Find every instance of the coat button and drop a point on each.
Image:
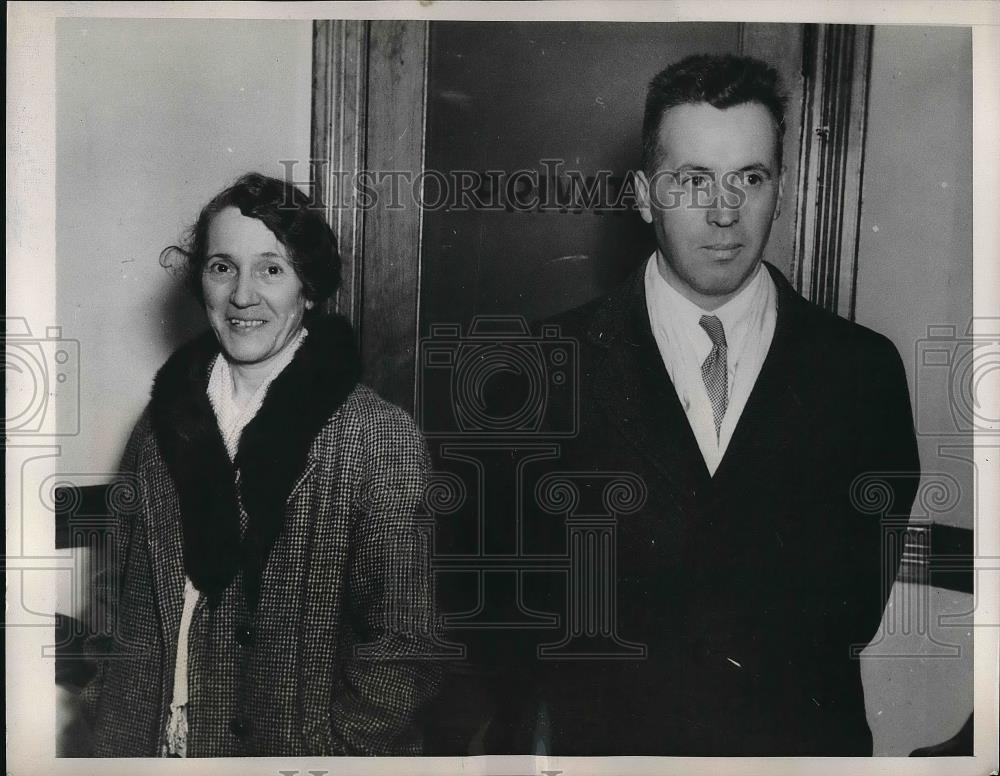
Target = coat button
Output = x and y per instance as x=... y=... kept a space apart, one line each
x=239 y=727
x=244 y=636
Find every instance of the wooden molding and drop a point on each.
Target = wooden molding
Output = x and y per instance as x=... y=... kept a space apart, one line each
x=340 y=90
x=369 y=85
x=836 y=70
x=397 y=77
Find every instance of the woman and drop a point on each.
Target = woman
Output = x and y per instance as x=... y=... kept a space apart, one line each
x=272 y=589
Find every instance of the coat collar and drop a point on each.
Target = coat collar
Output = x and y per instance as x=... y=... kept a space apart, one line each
x=272 y=454
x=632 y=384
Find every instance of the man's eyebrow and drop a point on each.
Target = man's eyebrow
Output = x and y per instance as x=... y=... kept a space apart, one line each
x=756 y=167
x=753 y=167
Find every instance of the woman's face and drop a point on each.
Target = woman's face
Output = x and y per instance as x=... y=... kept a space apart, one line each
x=253 y=297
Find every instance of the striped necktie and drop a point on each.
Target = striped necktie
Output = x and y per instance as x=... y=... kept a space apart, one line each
x=714 y=371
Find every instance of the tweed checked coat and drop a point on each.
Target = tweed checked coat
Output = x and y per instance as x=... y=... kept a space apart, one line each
x=334 y=652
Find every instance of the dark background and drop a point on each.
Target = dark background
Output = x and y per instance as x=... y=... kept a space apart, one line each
x=505 y=97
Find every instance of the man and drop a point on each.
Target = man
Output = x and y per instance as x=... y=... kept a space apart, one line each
x=752 y=575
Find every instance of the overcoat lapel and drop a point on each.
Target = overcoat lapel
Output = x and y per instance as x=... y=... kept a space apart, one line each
x=774 y=411
x=189 y=443
x=632 y=385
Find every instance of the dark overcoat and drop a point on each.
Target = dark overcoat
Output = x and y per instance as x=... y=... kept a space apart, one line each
x=335 y=653
x=751 y=591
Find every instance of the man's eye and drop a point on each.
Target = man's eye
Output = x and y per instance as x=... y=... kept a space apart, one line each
x=697 y=180
x=753 y=179
x=218 y=268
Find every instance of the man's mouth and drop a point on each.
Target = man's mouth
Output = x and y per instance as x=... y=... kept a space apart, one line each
x=724 y=250
x=246 y=323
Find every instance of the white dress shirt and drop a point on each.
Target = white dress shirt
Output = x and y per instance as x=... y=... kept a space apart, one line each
x=748 y=320
x=232 y=417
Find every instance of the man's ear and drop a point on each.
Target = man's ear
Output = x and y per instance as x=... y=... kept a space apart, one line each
x=781 y=194
x=642 y=196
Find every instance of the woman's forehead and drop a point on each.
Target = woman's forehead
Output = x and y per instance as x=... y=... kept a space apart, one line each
x=232 y=233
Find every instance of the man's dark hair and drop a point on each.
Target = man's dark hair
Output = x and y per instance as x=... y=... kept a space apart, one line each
x=722 y=81
x=291 y=217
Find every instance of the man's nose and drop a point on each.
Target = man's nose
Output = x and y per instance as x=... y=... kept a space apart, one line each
x=720 y=215
x=244 y=291
x=724 y=209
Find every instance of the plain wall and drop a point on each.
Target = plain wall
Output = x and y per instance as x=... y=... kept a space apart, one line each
x=915 y=271
x=154 y=117
x=915 y=246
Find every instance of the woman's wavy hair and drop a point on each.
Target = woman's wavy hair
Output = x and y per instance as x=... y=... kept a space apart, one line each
x=291 y=217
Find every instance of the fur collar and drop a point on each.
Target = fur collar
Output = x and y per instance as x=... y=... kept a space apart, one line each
x=272 y=451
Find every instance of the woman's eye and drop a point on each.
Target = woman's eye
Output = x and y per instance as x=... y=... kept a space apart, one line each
x=697 y=180
x=753 y=179
x=272 y=270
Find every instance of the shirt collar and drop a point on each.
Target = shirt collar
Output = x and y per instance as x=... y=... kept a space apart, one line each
x=735 y=314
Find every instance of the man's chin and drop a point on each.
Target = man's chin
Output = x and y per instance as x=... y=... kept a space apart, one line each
x=718 y=290
x=728 y=281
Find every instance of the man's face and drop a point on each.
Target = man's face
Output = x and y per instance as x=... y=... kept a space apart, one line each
x=713 y=197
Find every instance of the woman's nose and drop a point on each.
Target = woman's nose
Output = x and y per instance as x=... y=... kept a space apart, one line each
x=244 y=291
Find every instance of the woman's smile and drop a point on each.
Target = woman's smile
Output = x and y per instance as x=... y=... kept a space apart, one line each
x=246 y=323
